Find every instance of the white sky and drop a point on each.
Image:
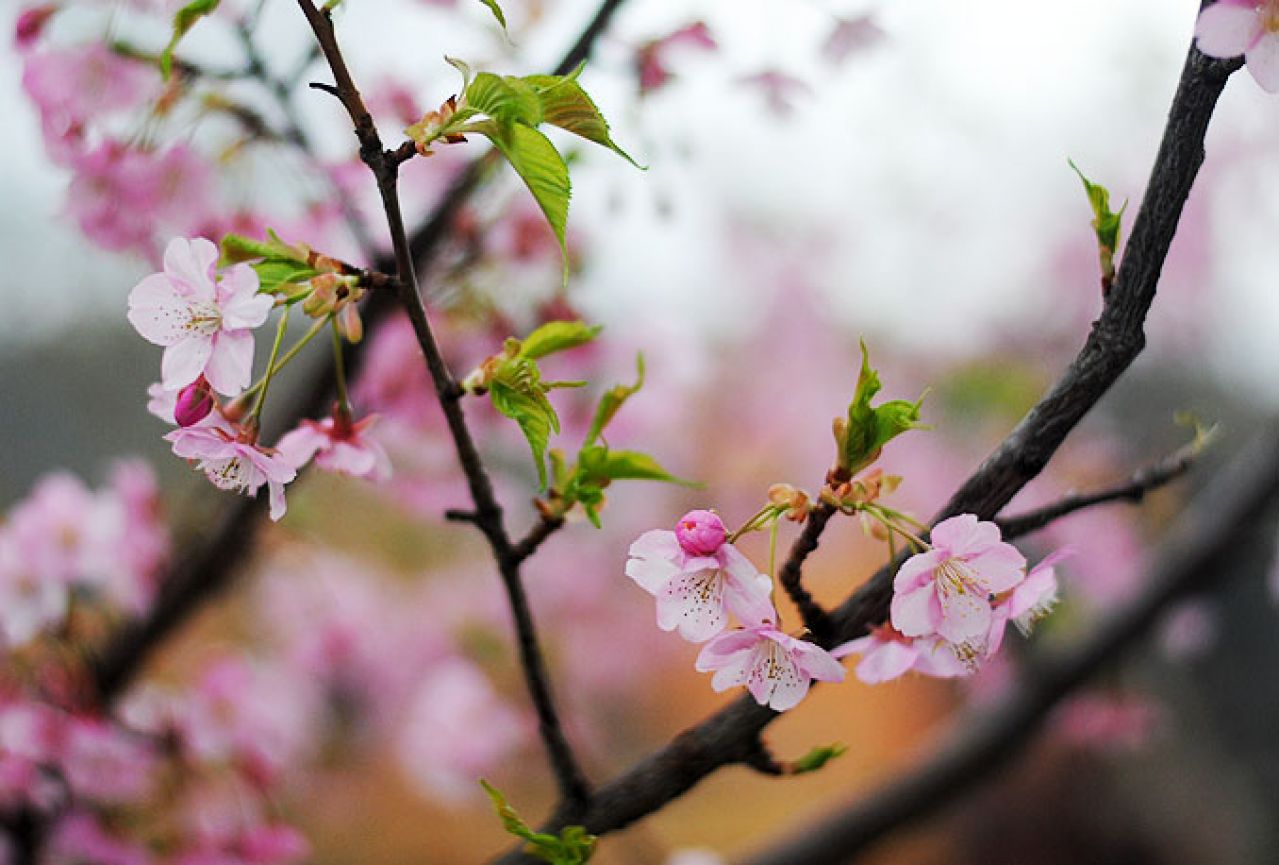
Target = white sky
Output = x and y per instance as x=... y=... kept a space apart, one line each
x=929 y=172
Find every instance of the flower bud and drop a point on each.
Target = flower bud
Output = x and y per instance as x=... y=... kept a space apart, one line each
x=701 y=533
x=194 y=403
x=31 y=23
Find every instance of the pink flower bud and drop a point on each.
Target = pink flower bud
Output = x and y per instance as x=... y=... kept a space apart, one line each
x=700 y=533
x=30 y=24
x=195 y=401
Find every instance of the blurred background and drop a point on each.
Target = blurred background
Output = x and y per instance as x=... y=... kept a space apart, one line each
x=817 y=172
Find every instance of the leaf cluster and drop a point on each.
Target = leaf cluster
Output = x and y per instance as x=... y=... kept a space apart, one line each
x=572 y=846
x=277 y=264
x=862 y=435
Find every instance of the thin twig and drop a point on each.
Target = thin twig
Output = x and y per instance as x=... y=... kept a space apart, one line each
x=573 y=787
x=530 y=543
x=1116 y=339
x=816 y=619
x=1132 y=490
x=1191 y=557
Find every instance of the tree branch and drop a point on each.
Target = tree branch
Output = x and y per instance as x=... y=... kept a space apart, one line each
x=573 y=787
x=1134 y=489
x=1116 y=339
x=1190 y=559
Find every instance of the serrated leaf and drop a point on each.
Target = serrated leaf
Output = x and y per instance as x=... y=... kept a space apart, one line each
x=496 y=10
x=237 y=247
x=573 y=846
x=556 y=336
x=818 y=757
x=566 y=105
x=1106 y=223
x=618 y=465
x=611 y=400
x=543 y=171
x=506 y=99
x=870 y=428
x=183 y=20
x=534 y=415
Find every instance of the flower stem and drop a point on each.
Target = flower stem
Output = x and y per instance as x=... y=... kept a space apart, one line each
x=270 y=367
x=286 y=357
x=339 y=370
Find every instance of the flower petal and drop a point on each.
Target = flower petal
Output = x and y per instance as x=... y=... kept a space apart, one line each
x=191 y=263
x=1227 y=28
x=653 y=559
x=157 y=311
x=917 y=570
x=693 y=603
x=1263 y=62
x=916 y=612
x=183 y=362
x=230 y=365
x=886 y=661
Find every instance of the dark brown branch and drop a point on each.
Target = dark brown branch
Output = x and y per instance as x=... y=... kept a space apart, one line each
x=791 y=573
x=1133 y=490
x=1190 y=559
x=1116 y=339
x=530 y=543
x=573 y=787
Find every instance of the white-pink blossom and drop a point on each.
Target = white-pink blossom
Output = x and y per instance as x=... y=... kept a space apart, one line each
x=697 y=577
x=203 y=320
x=337 y=445
x=1229 y=28
x=950 y=590
x=775 y=667
x=232 y=461
x=887 y=654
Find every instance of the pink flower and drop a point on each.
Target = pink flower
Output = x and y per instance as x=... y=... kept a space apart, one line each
x=887 y=654
x=775 y=667
x=204 y=323
x=950 y=589
x=74 y=85
x=650 y=59
x=1229 y=28
x=337 y=445
x=698 y=578
x=104 y=763
x=31 y=23
x=232 y=462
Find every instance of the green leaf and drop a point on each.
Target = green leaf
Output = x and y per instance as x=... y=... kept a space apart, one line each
x=818 y=757
x=557 y=336
x=573 y=846
x=237 y=247
x=506 y=99
x=524 y=402
x=183 y=20
x=566 y=105
x=543 y=171
x=612 y=400
x=869 y=429
x=1106 y=224
x=601 y=462
x=496 y=10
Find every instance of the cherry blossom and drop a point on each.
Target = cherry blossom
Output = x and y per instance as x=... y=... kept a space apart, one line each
x=1229 y=28
x=72 y=86
x=949 y=590
x=887 y=654
x=232 y=461
x=775 y=667
x=204 y=321
x=697 y=577
x=337 y=445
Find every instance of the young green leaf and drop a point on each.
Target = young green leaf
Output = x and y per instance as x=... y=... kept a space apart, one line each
x=817 y=758
x=543 y=171
x=506 y=99
x=557 y=336
x=183 y=20
x=869 y=429
x=573 y=846
x=611 y=401
x=1106 y=224
x=601 y=462
x=566 y=105
x=496 y=10
x=517 y=393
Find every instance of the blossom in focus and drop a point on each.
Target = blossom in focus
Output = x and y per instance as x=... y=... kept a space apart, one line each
x=887 y=654
x=232 y=462
x=697 y=577
x=1229 y=28
x=950 y=589
x=204 y=321
x=337 y=445
x=775 y=667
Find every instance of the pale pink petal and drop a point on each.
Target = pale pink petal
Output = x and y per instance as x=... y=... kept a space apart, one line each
x=733 y=674
x=230 y=364
x=157 y=311
x=886 y=661
x=937 y=658
x=198 y=444
x=859 y=646
x=815 y=662
x=298 y=446
x=777 y=681
x=1000 y=567
x=998 y=627
x=278 y=504
x=183 y=362
x=192 y=263
x=1227 y=28
x=1263 y=62
x=722 y=648
x=654 y=556
x=918 y=570
x=956 y=533
x=964 y=617
x=349 y=459
x=916 y=612
x=693 y=603
x=1039 y=587
x=241 y=305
